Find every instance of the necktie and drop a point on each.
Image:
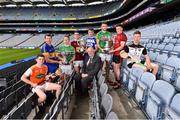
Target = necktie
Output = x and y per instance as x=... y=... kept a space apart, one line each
x=89 y=61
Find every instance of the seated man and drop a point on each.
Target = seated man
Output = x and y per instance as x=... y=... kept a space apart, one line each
x=91 y=66
x=68 y=53
x=38 y=76
x=135 y=52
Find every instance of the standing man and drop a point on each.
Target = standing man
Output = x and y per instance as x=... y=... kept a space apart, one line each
x=119 y=43
x=104 y=44
x=78 y=62
x=136 y=51
x=48 y=51
x=36 y=76
x=91 y=39
x=68 y=53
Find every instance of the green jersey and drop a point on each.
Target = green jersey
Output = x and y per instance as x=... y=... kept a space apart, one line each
x=67 y=51
x=101 y=36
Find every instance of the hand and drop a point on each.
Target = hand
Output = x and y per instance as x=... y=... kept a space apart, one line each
x=102 y=50
x=48 y=76
x=34 y=85
x=84 y=75
x=111 y=51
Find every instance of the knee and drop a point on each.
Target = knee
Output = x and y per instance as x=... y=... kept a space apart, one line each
x=42 y=97
x=58 y=88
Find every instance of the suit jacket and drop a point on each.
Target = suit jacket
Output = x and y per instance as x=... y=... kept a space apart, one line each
x=93 y=67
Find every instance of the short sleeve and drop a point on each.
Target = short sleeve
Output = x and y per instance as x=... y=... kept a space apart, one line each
x=126 y=49
x=28 y=72
x=144 y=52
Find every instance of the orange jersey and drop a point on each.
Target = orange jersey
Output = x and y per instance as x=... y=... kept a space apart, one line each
x=38 y=74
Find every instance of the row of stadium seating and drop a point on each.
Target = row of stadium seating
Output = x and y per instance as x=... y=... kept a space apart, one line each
x=56 y=13
x=100 y=101
x=26 y=40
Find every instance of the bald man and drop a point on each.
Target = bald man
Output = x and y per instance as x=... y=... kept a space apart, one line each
x=91 y=66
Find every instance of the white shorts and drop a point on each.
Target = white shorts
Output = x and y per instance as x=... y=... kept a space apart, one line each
x=78 y=63
x=105 y=57
x=42 y=87
x=67 y=69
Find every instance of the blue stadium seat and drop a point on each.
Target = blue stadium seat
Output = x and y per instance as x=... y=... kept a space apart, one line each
x=159 y=97
x=144 y=85
x=173 y=110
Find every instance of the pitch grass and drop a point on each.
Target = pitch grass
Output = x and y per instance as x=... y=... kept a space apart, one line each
x=8 y=54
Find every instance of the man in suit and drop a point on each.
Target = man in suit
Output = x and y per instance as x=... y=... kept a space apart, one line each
x=91 y=66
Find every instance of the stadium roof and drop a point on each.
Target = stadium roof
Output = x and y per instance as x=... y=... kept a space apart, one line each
x=14 y=3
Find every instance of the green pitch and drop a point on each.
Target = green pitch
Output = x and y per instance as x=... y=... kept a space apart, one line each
x=7 y=54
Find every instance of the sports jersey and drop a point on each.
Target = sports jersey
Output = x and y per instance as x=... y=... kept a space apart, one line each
x=68 y=49
x=49 y=49
x=36 y=74
x=91 y=42
x=78 y=55
x=117 y=42
x=101 y=35
x=136 y=51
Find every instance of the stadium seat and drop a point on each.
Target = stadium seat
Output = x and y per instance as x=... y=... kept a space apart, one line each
x=143 y=87
x=112 y=116
x=2 y=108
x=19 y=113
x=103 y=90
x=177 y=81
x=173 y=110
x=30 y=103
x=101 y=80
x=54 y=114
x=159 y=97
x=135 y=75
x=153 y=55
x=106 y=104
x=169 y=69
x=10 y=101
x=52 y=108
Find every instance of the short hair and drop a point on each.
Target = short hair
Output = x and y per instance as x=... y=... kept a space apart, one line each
x=104 y=23
x=48 y=34
x=91 y=29
x=76 y=32
x=137 y=32
x=67 y=36
x=40 y=55
x=118 y=25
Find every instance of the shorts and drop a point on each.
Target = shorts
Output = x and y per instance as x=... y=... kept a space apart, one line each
x=78 y=63
x=117 y=59
x=105 y=57
x=67 y=69
x=42 y=87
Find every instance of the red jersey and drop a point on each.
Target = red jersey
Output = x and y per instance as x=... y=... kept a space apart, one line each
x=78 y=55
x=117 y=43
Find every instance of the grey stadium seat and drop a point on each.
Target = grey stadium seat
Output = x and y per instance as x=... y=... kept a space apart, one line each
x=159 y=97
x=173 y=111
x=144 y=85
x=106 y=104
x=169 y=69
x=112 y=116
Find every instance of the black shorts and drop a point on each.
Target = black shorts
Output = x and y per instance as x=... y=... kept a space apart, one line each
x=117 y=59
